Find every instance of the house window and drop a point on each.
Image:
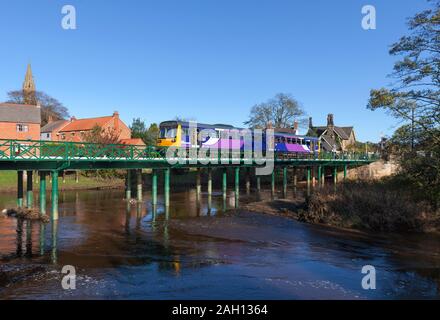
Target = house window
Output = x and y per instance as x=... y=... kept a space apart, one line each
x=63 y=136
x=22 y=127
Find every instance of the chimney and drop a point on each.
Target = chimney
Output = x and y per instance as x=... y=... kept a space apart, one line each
x=295 y=127
x=330 y=123
x=330 y=126
x=269 y=125
x=116 y=120
x=310 y=123
x=72 y=119
x=50 y=118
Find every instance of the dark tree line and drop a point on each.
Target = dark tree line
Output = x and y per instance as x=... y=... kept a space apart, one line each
x=414 y=99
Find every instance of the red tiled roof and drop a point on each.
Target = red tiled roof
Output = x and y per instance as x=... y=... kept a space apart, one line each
x=86 y=124
x=133 y=141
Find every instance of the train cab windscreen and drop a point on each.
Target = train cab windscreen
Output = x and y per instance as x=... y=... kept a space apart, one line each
x=168 y=132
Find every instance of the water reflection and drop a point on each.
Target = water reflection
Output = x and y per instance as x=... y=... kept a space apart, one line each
x=54 y=242
x=42 y=238
x=29 y=238
x=19 y=250
x=181 y=251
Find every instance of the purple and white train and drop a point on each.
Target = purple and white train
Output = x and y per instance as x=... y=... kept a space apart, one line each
x=177 y=134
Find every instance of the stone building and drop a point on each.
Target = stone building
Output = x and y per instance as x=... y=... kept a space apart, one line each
x=333 y=138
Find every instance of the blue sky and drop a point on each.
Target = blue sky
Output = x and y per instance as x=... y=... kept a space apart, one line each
x=205 y=59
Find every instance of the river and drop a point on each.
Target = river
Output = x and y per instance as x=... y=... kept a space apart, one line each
x=128 y=252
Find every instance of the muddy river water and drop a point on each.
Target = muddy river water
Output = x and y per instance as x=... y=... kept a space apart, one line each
x=190 y=252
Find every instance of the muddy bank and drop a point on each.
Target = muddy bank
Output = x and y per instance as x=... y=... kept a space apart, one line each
x=19 y=272
x=25 y=214
x=367 y=206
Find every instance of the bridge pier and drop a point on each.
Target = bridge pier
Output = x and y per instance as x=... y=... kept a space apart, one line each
x=139 y=184
x=29 y=190
x=209 y=181
x=335 y=175
x=209 y=190
x=128 y=186
x=20 y=189
x=198 y=183
x=237 y=185
x=225 y=183
x=54 y=213
x=295 y=180
x=284 y=182
x=154 y=187
x=167 y=187
x=248 y=181
x=345 y=172
x=272 y=184
x=42 y=193
x=308 y=180
x=258 y=181
x=319 y=176
x=313 y=177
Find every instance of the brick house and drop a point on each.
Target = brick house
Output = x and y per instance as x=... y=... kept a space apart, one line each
x=20 y=121
x=74 y=130
x=52 y=129
x=333 y=138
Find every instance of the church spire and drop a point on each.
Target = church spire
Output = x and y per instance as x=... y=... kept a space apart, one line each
x=29 y=87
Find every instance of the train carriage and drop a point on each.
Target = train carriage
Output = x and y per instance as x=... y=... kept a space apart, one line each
x=221 y=136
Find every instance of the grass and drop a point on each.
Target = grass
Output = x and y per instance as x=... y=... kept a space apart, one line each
x=8 y=182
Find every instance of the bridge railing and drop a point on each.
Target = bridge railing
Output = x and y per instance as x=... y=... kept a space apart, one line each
x=43 y=150
x=63 y=150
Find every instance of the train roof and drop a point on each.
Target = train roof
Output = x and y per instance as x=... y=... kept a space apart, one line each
x=280 y=132
x=199 y=125
x=292 y=135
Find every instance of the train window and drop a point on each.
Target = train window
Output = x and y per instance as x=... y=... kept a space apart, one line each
x=289 y=140
x=168 y=133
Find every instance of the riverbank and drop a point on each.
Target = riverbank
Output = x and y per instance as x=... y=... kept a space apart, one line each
x=8 y=182
x=180 y=178
x=378 y=206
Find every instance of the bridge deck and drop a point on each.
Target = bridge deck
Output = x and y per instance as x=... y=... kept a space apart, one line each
x=47 y=155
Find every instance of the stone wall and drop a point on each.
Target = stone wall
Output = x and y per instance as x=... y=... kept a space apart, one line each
x=375 y=170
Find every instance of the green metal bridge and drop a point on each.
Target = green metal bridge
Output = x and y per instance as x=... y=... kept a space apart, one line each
x=54 y=157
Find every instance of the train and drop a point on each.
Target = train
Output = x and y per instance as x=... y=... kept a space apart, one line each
x=175 y=133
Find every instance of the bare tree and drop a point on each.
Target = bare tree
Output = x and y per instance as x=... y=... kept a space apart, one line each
x=102 y=136
x=280 y=111
x=50 y=107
